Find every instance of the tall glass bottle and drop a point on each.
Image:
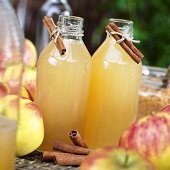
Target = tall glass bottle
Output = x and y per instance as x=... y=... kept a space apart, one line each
x=113 y=98
x=11 y=46
x=62 y=83
x=28 y=16
x=52 y=8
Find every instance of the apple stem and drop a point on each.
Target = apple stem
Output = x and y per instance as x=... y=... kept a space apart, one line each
x=126 y=160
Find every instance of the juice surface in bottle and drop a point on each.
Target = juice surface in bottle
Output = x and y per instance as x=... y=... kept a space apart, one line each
x=62 y=83
x=113 y=96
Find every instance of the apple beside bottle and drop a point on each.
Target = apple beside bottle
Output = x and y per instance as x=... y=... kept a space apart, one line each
x=150 y=136
x=116 y=158
x=30 y=132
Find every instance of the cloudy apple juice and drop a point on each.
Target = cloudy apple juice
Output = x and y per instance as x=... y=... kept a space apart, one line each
x=113 y=96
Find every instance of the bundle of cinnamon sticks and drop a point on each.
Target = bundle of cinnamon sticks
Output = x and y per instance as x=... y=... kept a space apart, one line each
x=68 y=154
x=127 y=45
x=54 y=34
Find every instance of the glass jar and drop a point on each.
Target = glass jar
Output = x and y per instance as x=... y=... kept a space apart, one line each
x=154 y=90
x=62 y=83
x=11 y=47
x=52 y=8
x=114 y=85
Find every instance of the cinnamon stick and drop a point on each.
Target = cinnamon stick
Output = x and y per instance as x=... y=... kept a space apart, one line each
x=77 y=139
x=124 y=46
x=48 y=156
x=67 y=159
x=62 y=158
x=128 y=43
x=63 y=147
x=49 y=23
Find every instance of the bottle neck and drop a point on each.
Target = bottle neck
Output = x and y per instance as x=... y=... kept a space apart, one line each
x=70 y=27
x=125 y=26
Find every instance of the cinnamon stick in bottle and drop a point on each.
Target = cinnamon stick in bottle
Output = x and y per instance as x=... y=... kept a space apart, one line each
x=49 y=23
x=63 y=147
x=135 y=57
x=77 y=139
x=128 y=43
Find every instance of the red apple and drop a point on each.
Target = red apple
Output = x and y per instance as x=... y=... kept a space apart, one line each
x=150 y=136
x=30 y=53
x=166 y=109
x=29 y=80
x=115 y=158
x=30 y=132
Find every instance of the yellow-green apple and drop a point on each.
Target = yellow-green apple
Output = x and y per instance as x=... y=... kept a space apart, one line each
x=29 y=80
x=30 y=53
x=115 y=158
x=11 y=76
x=166 y=109
x=30 y=131
x=150 y=136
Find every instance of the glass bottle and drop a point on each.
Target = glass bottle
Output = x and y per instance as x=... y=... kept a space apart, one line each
x=52 y=8
x=28 y=16
x=154 y=93
x=62 y=83
x=113 y=96
x=11 y=46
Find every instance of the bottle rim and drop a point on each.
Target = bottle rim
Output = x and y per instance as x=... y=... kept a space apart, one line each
x=126 y=26
x=70 y=25
x=121 y=20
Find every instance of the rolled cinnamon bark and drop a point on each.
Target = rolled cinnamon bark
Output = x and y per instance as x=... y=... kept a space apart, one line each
x=124 y=46
x=128 y=43
x=48 y=156
x=67 y=159
x=63 y=147
x=49 y=23
x=77 y=139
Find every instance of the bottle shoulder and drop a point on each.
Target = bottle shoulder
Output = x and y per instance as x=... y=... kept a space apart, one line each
x=76 y=52
x=110 y=51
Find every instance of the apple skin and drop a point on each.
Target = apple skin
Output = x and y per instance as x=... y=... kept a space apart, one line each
x=29 y=80
x=150 y=136
x=115 y=158
x=4 y=90
x=11 y=76
x=30 y=132
x=166 y=109
x=25 y=93
x=30 y=54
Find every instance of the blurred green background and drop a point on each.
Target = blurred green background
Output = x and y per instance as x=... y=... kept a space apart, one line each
x=151 y=24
